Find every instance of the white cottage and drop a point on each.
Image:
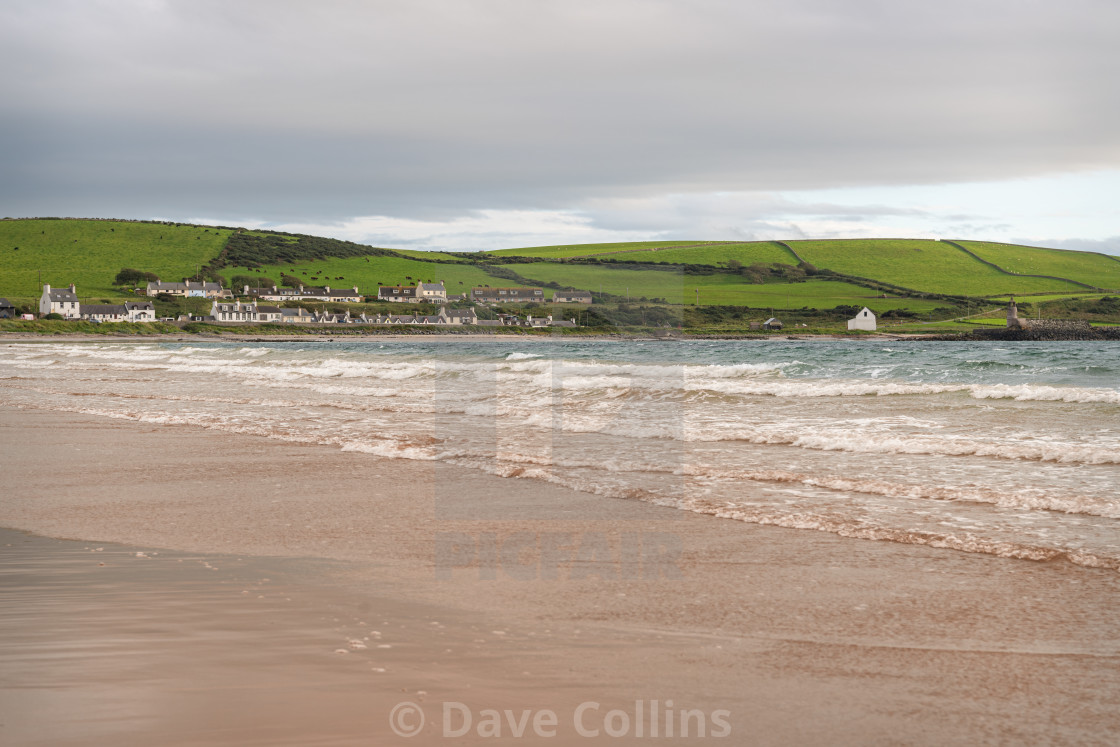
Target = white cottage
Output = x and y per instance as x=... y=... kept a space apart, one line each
x=244 y=312
x=864 y=320
x=431 y=292
x=64 y=302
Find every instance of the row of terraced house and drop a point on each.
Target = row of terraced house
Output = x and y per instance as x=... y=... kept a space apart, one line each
x=65 y=303
x=255 y=313
x=418 y=293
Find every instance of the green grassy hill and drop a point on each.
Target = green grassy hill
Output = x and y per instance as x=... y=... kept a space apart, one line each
x=89 y=253
x=932 y=266
x=1100 y=270
x=926 y=266
x=587 y=250
x=884 y=274
x=723 y=289
x=369 y=272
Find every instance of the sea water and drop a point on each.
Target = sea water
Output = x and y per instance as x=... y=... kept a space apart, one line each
x=1011 y=449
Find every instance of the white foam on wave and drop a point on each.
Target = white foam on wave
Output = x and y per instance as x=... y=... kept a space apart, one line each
x=964 y=542
x=1040 y=393
x=532 y=370
x=571 y=474
x=28 y=362
x=844 y=440
x=795 y=519
x=1034 y=499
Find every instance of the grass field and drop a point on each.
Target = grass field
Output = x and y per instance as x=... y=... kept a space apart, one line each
x=369 y=272
x=721 y=289
x=419 y=254
x=930 y=266
x=69 y=327
x=747 y=253
x=585 y=250
x=1043 y=297
x=90 y=253
x=1084 y=267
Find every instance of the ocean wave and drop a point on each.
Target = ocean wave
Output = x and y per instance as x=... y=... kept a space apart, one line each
x=964 y=542
x=807 y=520
x=1042 y=393
x=533 y=371
x=581 y=475
x=853 y=442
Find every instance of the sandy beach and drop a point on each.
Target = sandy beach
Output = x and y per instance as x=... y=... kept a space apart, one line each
x=494 y=597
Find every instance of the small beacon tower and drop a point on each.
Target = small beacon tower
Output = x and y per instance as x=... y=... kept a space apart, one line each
x=1013 y=320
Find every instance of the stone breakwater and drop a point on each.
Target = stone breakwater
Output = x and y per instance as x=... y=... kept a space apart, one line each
x=1045 y=330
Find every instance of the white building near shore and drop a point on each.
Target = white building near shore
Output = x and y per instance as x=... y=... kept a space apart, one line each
x=63 y=302
x=864 y=320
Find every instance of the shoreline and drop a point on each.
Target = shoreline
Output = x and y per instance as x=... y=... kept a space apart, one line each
x=802 y=636
x=468 y=336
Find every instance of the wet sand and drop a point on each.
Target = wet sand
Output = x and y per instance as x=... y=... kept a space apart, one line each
x=494 y=598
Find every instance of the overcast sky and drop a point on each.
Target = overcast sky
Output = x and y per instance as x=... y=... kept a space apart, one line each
x=475 y=124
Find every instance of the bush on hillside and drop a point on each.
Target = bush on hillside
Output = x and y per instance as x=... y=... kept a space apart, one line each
x=246 y=249
x=129 y=276
x=238 y=282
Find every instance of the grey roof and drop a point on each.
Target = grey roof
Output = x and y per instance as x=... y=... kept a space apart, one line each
x=518 y=291
x=333 y=292
x=141 y=305
x=5 y=302
x=63 y=295
x=188 y=285
x=101 y=309
x=269 y=309
x=431 y=286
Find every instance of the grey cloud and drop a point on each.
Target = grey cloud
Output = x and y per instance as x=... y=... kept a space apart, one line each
x=286 y=110
x=1103 y=246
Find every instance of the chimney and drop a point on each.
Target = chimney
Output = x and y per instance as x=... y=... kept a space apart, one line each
x=73 y=289
x=246 y=291
x=355 y=290
x=327 y=288
x=47 y=289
